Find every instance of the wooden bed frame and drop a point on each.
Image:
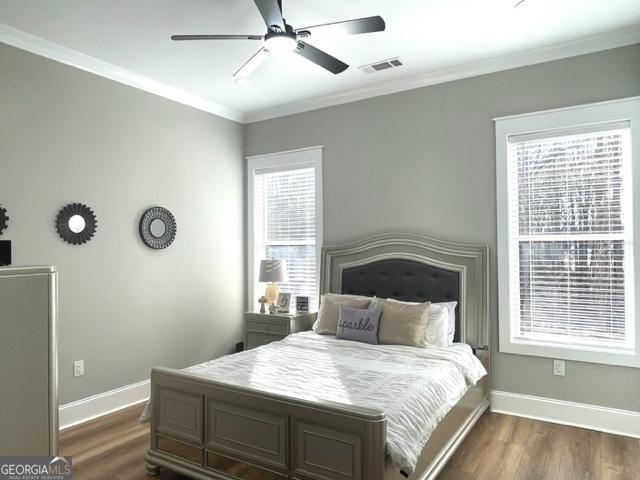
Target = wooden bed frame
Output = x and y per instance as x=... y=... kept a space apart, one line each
x=210 y=430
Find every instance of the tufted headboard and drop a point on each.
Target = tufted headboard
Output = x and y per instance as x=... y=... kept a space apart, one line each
x=406 y=280
x=415 y=268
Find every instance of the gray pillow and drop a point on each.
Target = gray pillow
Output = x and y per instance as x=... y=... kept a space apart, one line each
x=359 y=325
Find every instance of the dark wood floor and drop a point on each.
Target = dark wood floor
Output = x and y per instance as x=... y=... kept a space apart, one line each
x=500 y=447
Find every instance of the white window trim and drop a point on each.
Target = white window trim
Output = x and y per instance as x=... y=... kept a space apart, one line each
x=299 y=158
x=614 y=111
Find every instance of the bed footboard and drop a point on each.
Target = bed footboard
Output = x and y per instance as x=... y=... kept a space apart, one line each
x=206 y=429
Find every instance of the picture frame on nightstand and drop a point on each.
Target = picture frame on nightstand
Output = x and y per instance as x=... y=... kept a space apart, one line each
x=284 y=302
x=302 y=303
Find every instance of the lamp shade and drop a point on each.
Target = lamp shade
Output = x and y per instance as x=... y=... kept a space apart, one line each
x=273 y=270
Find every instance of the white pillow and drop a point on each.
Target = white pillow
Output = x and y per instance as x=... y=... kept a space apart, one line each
x=437 y=333
x=451 y=311
x=441 y=324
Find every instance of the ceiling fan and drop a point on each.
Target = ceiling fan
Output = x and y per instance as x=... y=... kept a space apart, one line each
x=282 y=37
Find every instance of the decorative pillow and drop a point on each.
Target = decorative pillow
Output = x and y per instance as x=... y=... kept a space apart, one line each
x=327 y=320
x=403 y=323
x=441 y=327
x=359 y=325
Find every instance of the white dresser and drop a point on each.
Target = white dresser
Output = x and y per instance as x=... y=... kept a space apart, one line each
x=28 y=361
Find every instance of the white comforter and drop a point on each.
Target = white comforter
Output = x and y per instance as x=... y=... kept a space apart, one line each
x=414 y=387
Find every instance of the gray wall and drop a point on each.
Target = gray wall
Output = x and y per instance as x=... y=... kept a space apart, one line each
x=424 y=161
x=69 y=136
x=420 y=161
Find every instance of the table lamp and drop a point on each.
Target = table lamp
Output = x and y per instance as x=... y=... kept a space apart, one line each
x=271 y=272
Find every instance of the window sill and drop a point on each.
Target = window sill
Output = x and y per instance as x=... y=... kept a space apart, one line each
x=577 y=353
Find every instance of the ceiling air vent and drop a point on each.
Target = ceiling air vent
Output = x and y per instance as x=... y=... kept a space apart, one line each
x=382 y=65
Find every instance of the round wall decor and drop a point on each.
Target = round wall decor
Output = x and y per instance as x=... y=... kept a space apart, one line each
x=158 y=228
x=76 y=223
x=4 y=219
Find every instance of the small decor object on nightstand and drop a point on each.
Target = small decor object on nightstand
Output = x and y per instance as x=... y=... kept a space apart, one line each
x=158 y=228
x=302 y=303
x=262 y=300
x=4 y=219
x=76 y=223
x=272 y=271
x=273 y=309
x=284 y=301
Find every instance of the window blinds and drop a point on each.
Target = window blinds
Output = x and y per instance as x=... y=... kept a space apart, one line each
x=570 y=238
x=285 y=225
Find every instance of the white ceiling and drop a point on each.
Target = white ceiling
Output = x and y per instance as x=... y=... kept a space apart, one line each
x=430 y=36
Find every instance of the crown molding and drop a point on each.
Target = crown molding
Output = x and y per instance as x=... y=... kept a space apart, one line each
x=45 y=48
x=39 y=46
x=572 y=48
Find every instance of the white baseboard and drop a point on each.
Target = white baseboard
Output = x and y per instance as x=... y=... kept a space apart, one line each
x=92 y=407
x=593 y=417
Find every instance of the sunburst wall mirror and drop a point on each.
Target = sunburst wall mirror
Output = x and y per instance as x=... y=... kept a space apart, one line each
x=4 y=219
x=76 y=223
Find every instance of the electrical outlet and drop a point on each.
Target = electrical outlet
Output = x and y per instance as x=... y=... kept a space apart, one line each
x=558 y=368
x=78 y=368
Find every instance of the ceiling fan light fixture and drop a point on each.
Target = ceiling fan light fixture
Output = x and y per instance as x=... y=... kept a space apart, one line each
x=280 y=43
x=282 y=38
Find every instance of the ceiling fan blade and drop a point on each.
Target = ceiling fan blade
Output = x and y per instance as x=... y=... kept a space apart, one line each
x=320 y=58
x=216 y=37
x=271 y=13
x=348 y=27
x=254 y=62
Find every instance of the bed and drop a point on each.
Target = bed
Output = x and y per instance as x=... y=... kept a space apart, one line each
x=247 y=424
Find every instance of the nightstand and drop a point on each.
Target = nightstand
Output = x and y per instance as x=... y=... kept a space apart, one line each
x=263 y=328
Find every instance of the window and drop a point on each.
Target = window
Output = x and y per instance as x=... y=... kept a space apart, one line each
x=566 y=230
x=285 y=219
